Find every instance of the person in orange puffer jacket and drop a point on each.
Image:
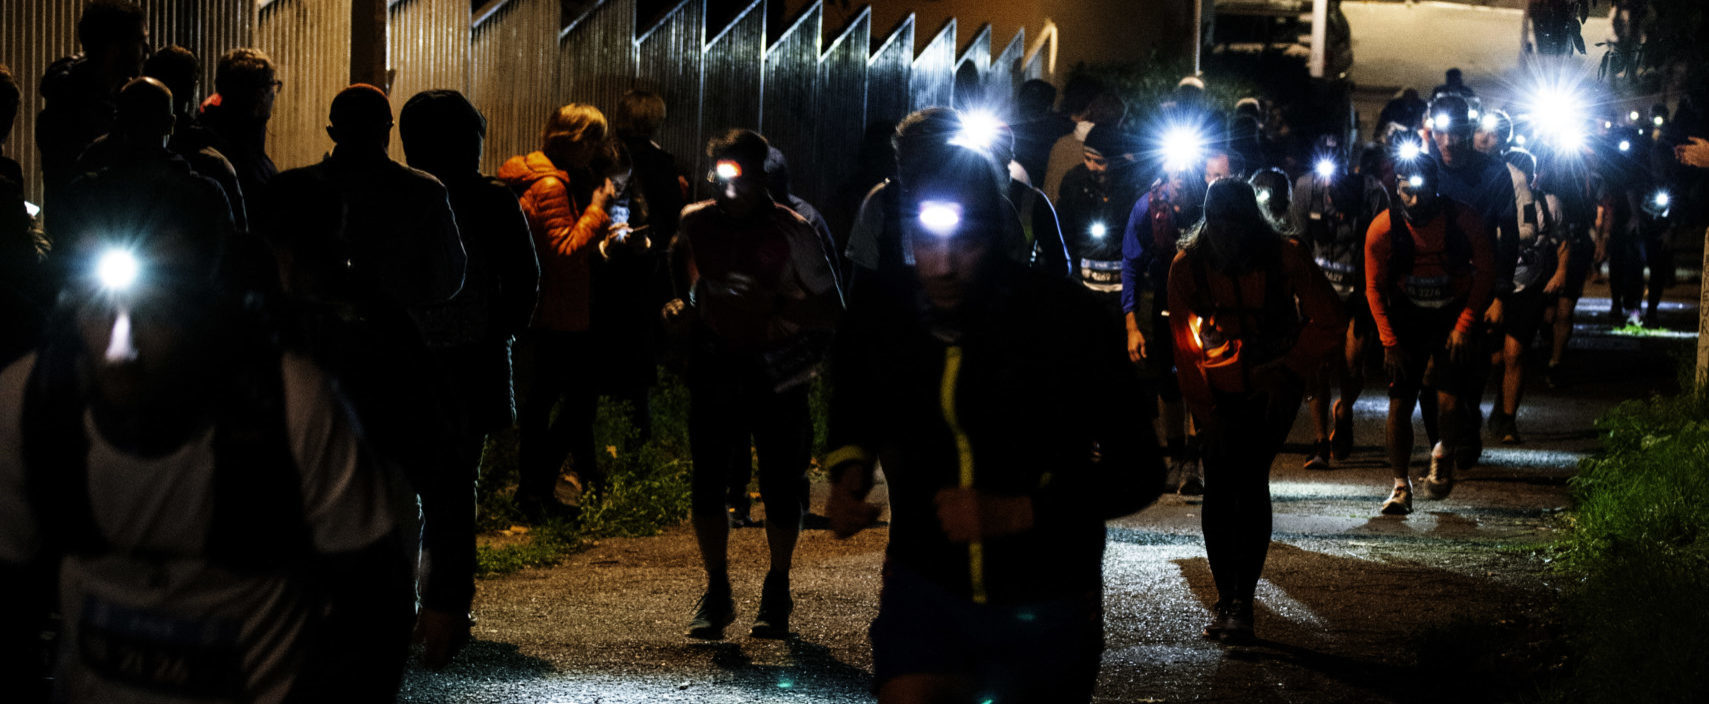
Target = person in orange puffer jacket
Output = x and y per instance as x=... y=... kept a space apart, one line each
x=565 y=202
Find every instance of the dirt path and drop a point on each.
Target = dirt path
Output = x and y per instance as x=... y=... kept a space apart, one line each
x=1354 y=607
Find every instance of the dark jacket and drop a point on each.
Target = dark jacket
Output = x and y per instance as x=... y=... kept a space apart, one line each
x=79 y=109
x=472 y=333
x=1043 y=387
x=206 y=162
x=242 y=140
x=1093 y=215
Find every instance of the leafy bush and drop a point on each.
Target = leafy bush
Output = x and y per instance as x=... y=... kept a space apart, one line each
x=1639 y=553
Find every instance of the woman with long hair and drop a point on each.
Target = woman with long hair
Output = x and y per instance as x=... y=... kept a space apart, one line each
x=1251 y=315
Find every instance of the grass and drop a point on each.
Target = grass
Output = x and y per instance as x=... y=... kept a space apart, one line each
x=647 y=487
x=1638 y=556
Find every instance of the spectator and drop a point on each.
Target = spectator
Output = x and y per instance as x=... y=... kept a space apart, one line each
x=1405 y=109
x=176 y=67
x=80 y=91
x=470 y=336
x=568 y=209
x=23 y=294
x=237 y=116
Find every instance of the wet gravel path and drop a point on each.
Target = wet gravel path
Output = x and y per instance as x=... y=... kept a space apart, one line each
x=1352 y=602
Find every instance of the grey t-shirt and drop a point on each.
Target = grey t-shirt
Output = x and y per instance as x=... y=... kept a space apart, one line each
x=183 y=621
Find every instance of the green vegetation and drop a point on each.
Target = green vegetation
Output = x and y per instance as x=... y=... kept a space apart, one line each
x=1638 y=556
x=647 y=488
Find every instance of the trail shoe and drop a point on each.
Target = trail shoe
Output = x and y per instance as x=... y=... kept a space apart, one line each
x=1440 y=481
x=1237 y=629
x=1400 y=501
x=715 y=610
x=1341 y=438
x=1318 y=458
x=1508 y=433
x=1552 y=376
x=776 y=604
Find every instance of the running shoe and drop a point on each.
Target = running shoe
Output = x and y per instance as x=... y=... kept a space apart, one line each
x=1440 y=482
x=1400 y=501
x=1318 y=458
x=714 y=611
x=776 y=605
x=1341 y=438
x=1552 y=376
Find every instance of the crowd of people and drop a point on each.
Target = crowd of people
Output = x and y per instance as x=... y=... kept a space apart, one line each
x=243 y=411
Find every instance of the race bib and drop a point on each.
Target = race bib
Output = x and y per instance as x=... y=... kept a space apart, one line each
x=1429 y=291
x=161 y=652
x=1101 y=275
x=1343 y=277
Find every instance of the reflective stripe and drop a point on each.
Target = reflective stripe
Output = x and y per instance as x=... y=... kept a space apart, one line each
x=847 y=453
x=964 y=451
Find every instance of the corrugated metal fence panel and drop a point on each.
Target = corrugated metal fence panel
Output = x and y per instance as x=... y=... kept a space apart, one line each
x=970 y=70
x=789 y=116
x=932 y=81
x=597 y=56
x=428 y=49
x=309 y=41
x=841 y=119
x=1004 y=77
x=515 y=51
x=1036 y=64
x=888 y=73
x=33 y=34
x=668 y=63
x=731 y=79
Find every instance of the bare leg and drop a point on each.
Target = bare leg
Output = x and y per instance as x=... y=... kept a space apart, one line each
x=1513 y=376
x=1400 y=437
x=1563 y=331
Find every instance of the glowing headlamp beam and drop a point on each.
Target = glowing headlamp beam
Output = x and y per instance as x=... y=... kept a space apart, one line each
x=1182 y=149
x=727 y=170
x=1325 y=168
x=1409 y=150
x=940 y=218
x=1098 y=230
x=978 y=130
x=117 y=270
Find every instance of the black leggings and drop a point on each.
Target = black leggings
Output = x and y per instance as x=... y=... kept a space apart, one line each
x=1236 y=512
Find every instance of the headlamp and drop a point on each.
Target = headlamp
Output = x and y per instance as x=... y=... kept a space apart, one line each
x=1519 y=139
x=1098 y=230
x=1658 y=120
x=1325 y=168
x=1415 y=181
x=1409 y=150
x=1489 y=123
x=1183 y=148
x=1625 y=145
x=1263 y=195
x=941 y=218
x=726 y=170
x=1634 y=116
x=1472 y=113
x=978 y=130
x=1441 y=121
x=117 y=270
x=1662 y=199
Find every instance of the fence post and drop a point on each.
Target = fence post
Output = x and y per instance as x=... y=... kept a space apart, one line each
x=368 y=43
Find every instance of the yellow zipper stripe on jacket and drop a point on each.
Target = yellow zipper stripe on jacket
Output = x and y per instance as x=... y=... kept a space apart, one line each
x=964 y=451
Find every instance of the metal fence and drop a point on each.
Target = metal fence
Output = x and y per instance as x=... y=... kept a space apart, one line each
x=518 y=60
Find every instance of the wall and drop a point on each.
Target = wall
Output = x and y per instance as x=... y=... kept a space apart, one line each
x=811 y=81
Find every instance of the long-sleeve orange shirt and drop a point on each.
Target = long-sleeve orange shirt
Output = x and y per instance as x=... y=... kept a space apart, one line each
x=1323 y=325
x=1472 y=280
